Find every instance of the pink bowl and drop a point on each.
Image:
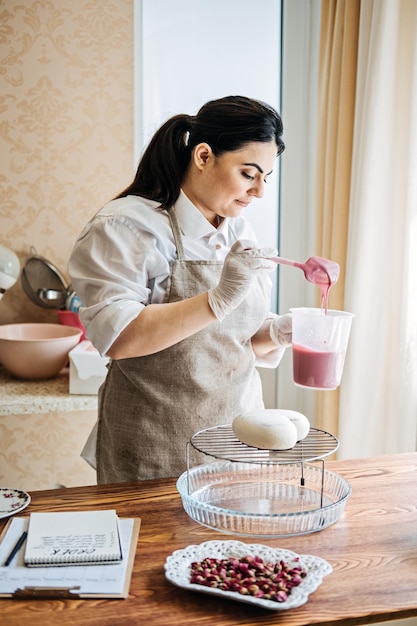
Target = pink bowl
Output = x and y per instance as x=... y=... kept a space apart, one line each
x=36 y=351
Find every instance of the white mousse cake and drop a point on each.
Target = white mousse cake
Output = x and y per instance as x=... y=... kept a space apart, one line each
x=268 y=429
x=300 y=421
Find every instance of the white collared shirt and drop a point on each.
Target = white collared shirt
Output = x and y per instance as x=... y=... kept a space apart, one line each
x=120 y=261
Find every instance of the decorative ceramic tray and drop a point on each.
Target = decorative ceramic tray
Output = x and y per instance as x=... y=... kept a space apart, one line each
x=12 y=501
x=263 y=500
x=178 y=568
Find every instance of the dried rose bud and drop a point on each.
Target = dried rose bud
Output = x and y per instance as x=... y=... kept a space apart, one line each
x=249 y=575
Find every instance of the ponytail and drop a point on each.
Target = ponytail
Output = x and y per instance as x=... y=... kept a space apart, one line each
x=163 y=165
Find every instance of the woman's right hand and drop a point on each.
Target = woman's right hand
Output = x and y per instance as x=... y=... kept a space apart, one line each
x=243 y=264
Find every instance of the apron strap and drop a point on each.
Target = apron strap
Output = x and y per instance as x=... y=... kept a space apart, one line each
x=177 y=233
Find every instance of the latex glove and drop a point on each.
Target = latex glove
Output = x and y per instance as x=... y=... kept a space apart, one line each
x=243 y=264
x=280 y=330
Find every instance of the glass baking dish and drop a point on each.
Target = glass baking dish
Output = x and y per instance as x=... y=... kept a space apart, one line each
x=268 y=500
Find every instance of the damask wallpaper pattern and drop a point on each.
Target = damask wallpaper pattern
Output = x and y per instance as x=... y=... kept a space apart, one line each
x=66 y=125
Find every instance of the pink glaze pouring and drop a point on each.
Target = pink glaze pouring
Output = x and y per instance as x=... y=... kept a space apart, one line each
x=317 y=270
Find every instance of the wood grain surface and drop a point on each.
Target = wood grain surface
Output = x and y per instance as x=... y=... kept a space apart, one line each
x=372 y=549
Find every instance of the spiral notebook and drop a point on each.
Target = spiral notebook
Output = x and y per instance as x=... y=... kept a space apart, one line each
x=73 y=538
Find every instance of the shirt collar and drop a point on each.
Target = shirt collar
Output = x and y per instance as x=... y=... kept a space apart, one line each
x=193 y=223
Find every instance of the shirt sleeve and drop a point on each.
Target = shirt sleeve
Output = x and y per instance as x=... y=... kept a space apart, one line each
x=273 y=358
x=113 y=265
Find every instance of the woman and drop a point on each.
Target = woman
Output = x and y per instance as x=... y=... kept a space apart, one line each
x=176 y=291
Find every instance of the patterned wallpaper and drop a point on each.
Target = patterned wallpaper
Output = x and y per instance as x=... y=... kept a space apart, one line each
x=66 y=125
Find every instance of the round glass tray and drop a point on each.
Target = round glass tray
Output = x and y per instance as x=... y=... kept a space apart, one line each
x=268 y=500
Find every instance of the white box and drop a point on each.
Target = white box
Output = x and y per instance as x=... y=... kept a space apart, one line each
x=87 y=369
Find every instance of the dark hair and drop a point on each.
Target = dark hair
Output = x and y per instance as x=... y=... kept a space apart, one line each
x=226 y=124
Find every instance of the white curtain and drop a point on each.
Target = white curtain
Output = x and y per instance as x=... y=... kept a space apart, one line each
x=378 y=397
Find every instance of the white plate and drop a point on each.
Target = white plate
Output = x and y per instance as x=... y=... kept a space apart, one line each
x=12 y=501
x=178 y=564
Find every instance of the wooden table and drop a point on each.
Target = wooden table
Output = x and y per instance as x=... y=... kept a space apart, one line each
x=372 y=549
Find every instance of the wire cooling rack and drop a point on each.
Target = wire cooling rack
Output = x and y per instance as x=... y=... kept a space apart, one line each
x=221 y=443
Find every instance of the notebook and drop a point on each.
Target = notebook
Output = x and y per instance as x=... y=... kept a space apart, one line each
x=73 y=538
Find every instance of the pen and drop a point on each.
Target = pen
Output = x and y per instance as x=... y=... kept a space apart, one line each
x=16 y=549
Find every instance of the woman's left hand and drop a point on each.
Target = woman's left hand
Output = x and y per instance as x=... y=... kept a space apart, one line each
x=280 y=330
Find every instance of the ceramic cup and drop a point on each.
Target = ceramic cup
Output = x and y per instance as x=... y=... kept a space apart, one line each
x=319 y=343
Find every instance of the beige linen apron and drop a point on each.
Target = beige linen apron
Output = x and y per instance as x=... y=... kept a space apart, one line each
x=150 y=406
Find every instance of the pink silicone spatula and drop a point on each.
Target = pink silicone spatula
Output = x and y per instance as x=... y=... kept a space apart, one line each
x=316 y=269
